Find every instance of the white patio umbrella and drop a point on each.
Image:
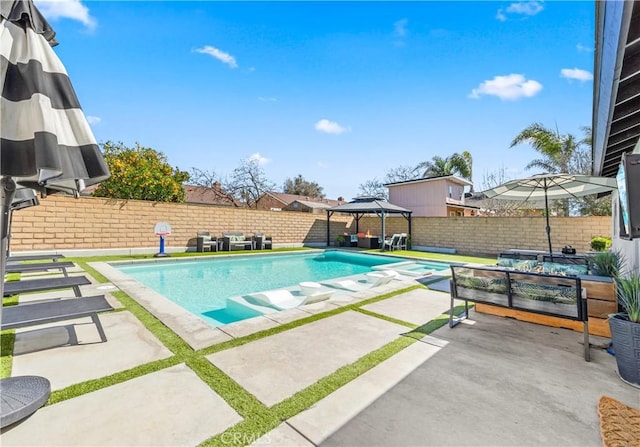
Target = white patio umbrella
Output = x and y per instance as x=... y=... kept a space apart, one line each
x=45 y=144
x=551 y=186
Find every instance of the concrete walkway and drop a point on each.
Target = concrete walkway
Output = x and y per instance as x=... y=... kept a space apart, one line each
x=492 y=382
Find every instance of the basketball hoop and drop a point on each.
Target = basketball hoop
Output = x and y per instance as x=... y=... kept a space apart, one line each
x=162 y=229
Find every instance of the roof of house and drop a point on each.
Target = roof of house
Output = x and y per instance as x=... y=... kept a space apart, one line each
x=209 y=196
x=453 y=178
x=286 y=199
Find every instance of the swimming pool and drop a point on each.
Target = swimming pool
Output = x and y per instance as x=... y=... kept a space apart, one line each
x=202 y=286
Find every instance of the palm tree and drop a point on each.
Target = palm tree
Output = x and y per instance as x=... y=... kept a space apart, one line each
x=454 y=164
x=557 y=150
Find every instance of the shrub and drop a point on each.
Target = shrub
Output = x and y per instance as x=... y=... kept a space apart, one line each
x=607 y=263
x=600 y=243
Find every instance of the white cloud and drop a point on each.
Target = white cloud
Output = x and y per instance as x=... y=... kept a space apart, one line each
x=526 y=8
x=400 y=28
x=322 y=165
x=584 y=49
x=522 y=8
x=267 y=99
x=577 y=74
x=223 y=57
x=259 y=159
x=93 y=120
x=326 y=126
x=70 y=9
x=509 y=87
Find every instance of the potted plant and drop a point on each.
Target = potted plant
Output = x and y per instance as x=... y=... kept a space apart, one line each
x=625 y=328
x=340 y=239
x=606 y=263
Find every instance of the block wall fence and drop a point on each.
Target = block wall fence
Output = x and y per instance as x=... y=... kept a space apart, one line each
x=63 y=223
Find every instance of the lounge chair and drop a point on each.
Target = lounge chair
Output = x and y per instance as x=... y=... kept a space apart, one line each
x=40 y=267
x=392 y=243
x=283 y=299
x=32 y=314
x=44 y=284
x=21 y=258
x=376 y=279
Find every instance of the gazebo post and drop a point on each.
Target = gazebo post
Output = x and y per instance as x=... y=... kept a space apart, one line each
x=329 y=214
x=383 y=231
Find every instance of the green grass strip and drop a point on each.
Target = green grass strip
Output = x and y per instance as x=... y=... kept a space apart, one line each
x=113 y=379
x=7 y=339
x=10 y=300
x=386 y=318
x=12 y=277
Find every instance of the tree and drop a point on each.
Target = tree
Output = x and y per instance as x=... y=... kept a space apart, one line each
x=401 y=174
x=140 y=173
x=248 y=183
x=556 y=150
x=454 y=164
x=373 y=188
x=498 y=207
x=299 y=186
x=201 y=177
x=564 y=154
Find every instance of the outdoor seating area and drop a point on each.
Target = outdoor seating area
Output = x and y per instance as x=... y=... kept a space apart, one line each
x=231 y=241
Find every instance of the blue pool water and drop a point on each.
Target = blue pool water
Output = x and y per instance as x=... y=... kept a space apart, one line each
x=203 y=286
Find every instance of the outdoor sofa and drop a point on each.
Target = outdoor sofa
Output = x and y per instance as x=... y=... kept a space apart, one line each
x=557 y=295
x=236 y=240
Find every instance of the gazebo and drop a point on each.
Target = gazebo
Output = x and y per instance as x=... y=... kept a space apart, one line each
x=361 y=206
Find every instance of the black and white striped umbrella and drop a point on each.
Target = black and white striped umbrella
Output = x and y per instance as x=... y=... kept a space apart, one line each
x=551 y=186
x=45 y=140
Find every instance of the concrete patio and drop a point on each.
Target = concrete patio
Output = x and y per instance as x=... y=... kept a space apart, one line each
x=492 y=381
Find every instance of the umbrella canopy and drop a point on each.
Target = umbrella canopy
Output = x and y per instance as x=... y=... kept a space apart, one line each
x=551 y=186
x=45 y=140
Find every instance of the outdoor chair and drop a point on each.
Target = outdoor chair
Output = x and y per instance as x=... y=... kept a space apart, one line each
x=205 y=241
x=31 y=314
x=392 y=243
x=262 y=242
x=284 y=299
x=374 y=279
x=20 y=258
x=44 y=284
x=40 y=267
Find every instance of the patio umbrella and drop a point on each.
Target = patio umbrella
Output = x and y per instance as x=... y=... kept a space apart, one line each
x=551 y=186
x=45 y=140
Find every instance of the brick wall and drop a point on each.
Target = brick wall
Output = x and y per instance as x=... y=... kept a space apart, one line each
x=62 y=223
x=491 y=235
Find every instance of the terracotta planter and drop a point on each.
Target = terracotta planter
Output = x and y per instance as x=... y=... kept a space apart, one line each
x=625 y=336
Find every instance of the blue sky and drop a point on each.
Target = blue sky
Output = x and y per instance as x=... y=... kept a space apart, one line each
x=339 y=92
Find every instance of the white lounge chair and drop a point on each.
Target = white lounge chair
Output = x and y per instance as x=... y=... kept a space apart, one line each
x=375 y=279
x=283 y=299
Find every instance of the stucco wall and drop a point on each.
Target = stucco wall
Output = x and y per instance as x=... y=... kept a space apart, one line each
x=64 y=223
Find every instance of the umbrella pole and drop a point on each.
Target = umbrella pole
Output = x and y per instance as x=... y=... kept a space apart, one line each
x=7 y=191
x=546 y=208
